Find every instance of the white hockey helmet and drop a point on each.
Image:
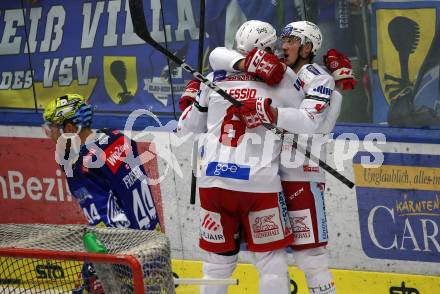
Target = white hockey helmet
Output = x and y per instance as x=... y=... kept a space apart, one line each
x=255 y=33
x=307 y=31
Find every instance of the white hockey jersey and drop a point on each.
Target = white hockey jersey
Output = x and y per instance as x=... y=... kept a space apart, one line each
x=233 y=156
x=309 y=108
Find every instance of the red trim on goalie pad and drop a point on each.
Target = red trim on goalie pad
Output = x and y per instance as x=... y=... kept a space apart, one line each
x=222 y=211
x=306 y=213
x=128 y=260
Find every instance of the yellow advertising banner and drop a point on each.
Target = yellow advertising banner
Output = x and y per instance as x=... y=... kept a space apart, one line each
x=347 y=281
x=404 y=37
x=397 y=177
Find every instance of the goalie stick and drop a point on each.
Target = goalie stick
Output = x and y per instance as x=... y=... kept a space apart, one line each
x=141 y=29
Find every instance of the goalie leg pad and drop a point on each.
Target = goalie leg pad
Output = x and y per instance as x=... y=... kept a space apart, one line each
x=314 y=263
x=273 y=272
x=218 y=267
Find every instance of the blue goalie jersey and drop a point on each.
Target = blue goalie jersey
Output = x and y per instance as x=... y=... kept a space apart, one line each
x=111 y=185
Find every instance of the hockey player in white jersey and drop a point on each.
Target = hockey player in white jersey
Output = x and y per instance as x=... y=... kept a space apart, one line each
x=304 y=186
x=239 y=186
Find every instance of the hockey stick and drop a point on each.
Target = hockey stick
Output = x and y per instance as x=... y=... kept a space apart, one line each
x=192 y=199
x=140 y=28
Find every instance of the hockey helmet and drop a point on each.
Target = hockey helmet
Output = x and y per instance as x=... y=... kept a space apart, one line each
x=73 y=107
x=255 y=33
x=307 y=31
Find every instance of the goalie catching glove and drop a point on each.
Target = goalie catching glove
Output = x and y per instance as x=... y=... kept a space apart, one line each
x=189 y=96
x=254 y=112
x=265 y=66
x=340 y=67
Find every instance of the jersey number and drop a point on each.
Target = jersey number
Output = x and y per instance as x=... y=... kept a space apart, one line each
x=143 y=206
x=92 y=215
x=232 y=128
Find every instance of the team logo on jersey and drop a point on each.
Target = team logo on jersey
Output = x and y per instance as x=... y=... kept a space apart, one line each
x=211 y=228
x=266 y=226
x=115 y=214
x=120 y=78
x=404 y=37
x=302 y=226
x=228 y=170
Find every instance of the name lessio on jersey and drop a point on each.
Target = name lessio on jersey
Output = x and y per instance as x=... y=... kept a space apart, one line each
x=242 y=93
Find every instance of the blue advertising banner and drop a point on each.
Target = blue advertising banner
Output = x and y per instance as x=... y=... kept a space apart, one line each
x=90 y=48
x=52 y=47
x=399 y=206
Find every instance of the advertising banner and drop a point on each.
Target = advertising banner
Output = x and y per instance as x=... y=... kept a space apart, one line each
x=399 y=206
x=405 y=41
x=90 y=48
x=52 y=47
x=33 y=188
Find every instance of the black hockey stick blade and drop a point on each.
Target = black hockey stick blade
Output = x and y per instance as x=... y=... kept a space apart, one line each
x=141 y=29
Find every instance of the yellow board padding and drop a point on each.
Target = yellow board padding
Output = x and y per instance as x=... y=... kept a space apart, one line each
x=397 y=177
x=347 y=281
x=24 y=98
x=41 y=274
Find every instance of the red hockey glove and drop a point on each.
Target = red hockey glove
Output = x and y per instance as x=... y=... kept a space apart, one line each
x=189 y=96
x=248 y=114
x=264 y=65
x=264 y=110
x=340 y=67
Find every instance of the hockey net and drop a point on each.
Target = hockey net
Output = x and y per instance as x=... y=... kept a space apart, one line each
x=52 y=259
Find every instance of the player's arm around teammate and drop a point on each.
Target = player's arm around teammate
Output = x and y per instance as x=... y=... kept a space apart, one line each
x=239 y=186
x=315 y=114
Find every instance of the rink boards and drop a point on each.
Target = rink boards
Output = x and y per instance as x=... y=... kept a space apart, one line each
x=347 y=282
x=388 y=223
x=54 y=275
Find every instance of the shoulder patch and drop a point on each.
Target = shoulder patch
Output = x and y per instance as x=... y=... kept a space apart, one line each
x=219 y=75
x=313 y=69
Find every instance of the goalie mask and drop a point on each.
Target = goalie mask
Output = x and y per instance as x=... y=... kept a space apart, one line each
x=255 y=33
x=307 y=31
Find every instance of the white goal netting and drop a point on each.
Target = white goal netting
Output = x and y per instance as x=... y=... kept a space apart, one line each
x=50 y=259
